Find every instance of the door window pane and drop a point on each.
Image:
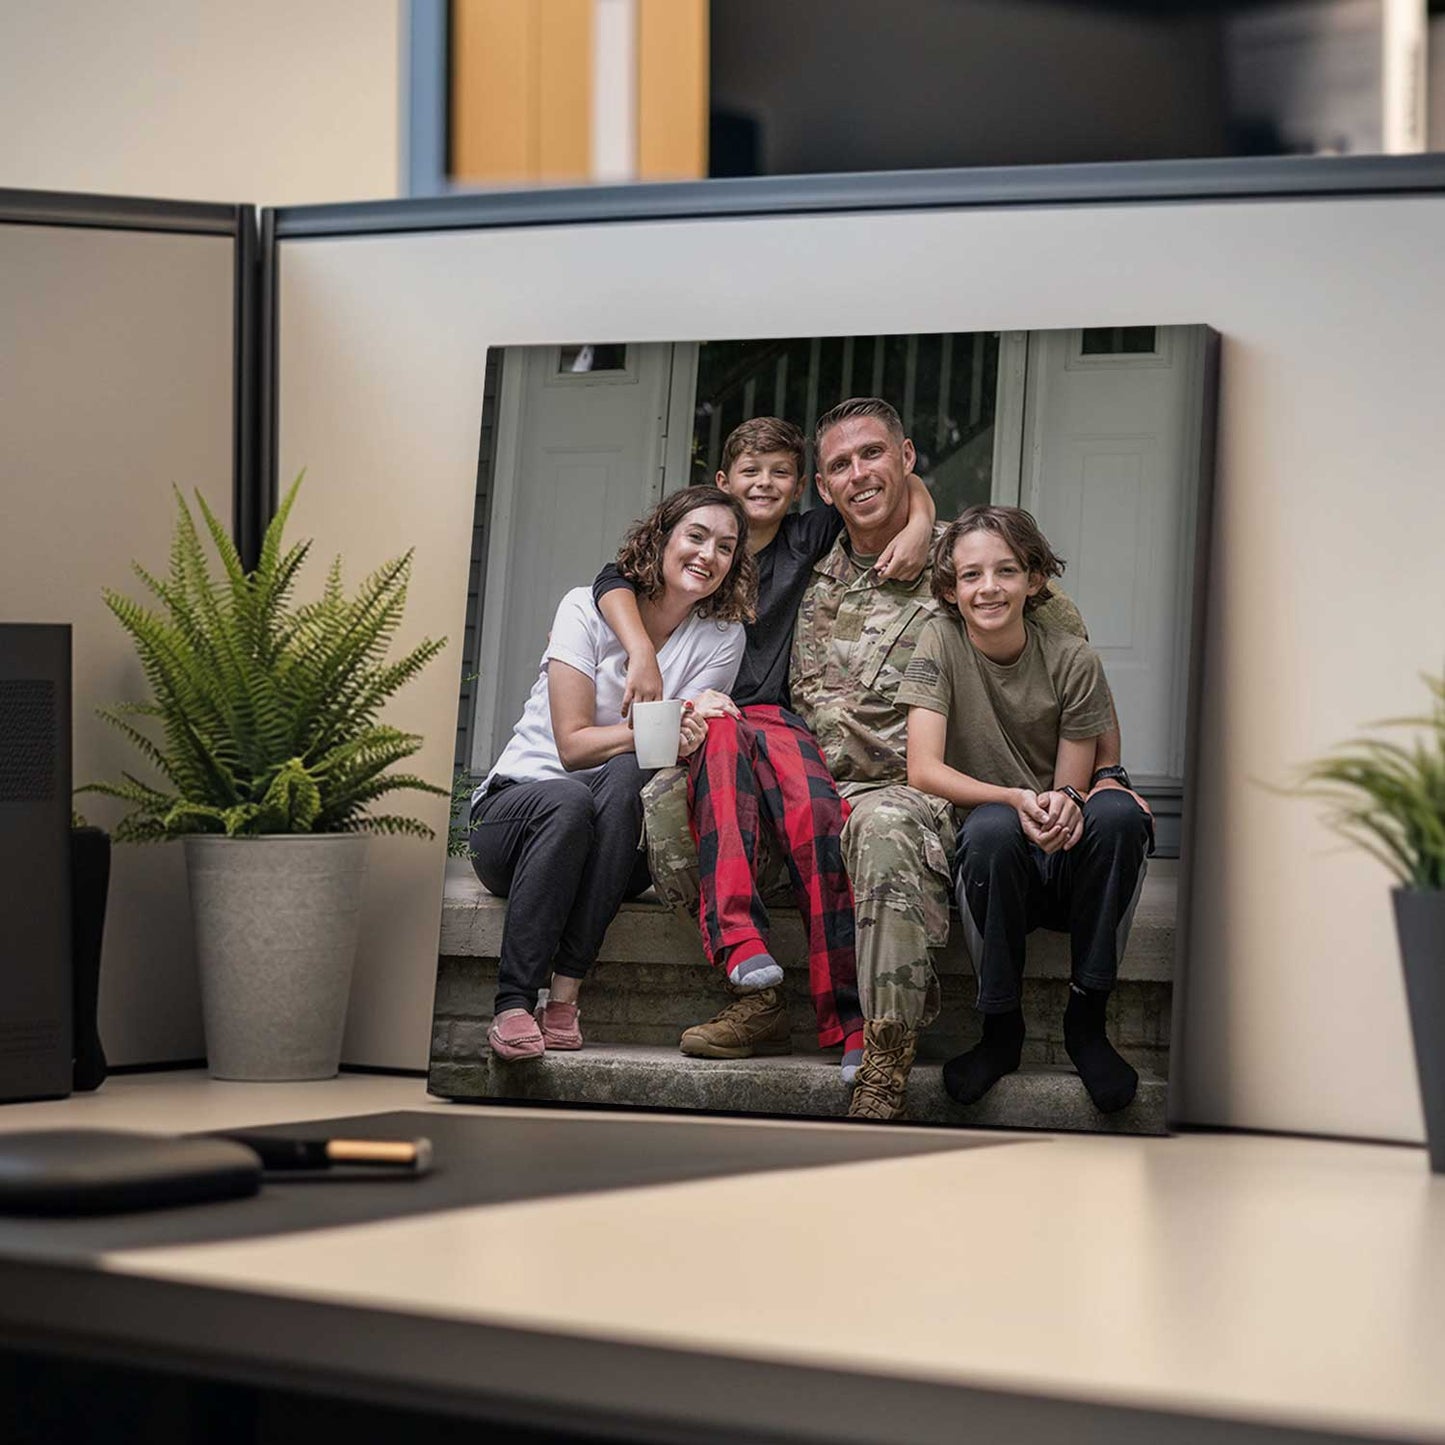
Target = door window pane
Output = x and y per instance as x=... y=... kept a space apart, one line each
x=1119 y=341
x=593 y=357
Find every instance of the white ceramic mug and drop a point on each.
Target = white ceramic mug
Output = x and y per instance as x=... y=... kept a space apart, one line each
x=657 y=732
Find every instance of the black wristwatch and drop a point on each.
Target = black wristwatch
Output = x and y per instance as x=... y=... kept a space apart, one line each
x=1072 y=794
x=1115 y=774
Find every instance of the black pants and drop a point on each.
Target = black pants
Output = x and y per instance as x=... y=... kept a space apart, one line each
x=1007 y=886
x=564 y=853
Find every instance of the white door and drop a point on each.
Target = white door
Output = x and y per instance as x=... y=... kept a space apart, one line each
x=580 y=453
x=1111 y=471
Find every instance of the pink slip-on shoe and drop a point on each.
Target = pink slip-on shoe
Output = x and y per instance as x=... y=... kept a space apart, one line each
x=514 y=1035
x=558 y=1022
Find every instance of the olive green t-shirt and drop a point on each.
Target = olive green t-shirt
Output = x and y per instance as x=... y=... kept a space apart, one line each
x=1005 y=721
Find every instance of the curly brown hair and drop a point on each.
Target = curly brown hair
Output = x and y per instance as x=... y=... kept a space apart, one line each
x=640 y=558
x=1018 y=530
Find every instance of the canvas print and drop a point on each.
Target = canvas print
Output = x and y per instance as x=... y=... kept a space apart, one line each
x=822 y=744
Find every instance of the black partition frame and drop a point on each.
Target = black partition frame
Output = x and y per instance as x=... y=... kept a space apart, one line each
x=195 y=218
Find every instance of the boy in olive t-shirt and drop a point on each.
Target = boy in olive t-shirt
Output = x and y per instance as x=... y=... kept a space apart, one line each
x=1004 y=719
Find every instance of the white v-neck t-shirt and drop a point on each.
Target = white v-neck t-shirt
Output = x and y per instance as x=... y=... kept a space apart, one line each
x=700 y=654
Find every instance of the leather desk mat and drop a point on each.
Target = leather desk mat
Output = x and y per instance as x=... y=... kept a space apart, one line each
x=492 y=1158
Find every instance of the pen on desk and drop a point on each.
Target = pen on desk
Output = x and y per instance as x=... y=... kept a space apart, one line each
x=407 y=1156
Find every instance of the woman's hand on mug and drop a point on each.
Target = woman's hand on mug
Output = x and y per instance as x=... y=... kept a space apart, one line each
x=693 y=731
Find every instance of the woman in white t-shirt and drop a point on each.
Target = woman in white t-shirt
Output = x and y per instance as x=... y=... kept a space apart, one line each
x=557 y=822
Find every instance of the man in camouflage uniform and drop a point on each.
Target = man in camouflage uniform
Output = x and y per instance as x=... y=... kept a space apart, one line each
x=854 y=639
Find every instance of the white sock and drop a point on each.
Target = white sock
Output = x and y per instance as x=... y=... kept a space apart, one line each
x=760 y=971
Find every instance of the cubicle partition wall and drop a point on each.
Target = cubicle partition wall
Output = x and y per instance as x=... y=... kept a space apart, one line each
x=129 y=356
x=1323 y=599
x=122 y=380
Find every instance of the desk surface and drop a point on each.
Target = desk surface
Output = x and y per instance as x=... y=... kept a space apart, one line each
x=1099 y=1282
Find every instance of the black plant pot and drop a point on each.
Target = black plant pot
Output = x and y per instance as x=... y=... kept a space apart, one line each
x=1420 y=921
x=89 y=884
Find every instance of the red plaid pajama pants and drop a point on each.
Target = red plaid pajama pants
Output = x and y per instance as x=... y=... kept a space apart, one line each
x=764 y=770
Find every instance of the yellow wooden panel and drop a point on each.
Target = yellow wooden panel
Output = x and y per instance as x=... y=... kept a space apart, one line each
x=672 y=89
x=494 y=89
x=564 y=90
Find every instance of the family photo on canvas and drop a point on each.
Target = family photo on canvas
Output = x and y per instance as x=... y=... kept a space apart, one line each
x=899 y=753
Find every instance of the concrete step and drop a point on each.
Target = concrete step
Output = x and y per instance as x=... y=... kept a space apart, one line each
x=652 y=1003
x=652 y=981
x=647 y=931
x=800 y=1085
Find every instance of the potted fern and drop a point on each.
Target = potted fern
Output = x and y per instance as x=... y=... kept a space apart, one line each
x=1389 y=797
x=263 y=730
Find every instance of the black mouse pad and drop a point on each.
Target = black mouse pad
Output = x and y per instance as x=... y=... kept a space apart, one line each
x=488 y=1158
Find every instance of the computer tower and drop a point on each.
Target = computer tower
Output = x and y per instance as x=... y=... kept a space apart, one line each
x=35 y=919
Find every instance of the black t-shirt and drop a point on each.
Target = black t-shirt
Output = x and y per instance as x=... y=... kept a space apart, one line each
x=784 y=568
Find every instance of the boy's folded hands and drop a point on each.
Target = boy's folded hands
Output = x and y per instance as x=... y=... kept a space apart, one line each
x=1050 y=820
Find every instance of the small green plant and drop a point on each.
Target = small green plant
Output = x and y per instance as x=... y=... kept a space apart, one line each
x=459 y=832
x=1389 y=797
x=459 y=838
x=267 y=710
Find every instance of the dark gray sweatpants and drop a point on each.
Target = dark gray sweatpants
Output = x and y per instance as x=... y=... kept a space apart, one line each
x=564 y=853
x=1006 y=887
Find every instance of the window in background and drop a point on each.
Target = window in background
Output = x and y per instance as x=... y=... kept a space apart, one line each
x=525 y=92
x=546 y=91
x=944 y=385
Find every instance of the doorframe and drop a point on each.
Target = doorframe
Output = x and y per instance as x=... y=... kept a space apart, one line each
x=1011 y=392
x=1193 y=344
x=1184 y=347
x=675 y=463
x=673 y=460
x=511 y=410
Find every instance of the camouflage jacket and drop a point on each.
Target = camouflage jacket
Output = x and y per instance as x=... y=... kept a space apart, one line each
x=854 y=639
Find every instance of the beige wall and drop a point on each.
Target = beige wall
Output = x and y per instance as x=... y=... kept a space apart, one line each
x=1326 y=594
x=269 y=102
x=115 y=384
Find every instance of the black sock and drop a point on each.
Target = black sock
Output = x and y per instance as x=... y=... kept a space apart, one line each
x=971 y=1075
x=1110 y=1079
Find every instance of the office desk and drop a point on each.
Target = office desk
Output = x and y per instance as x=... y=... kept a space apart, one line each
x=1205 y=1287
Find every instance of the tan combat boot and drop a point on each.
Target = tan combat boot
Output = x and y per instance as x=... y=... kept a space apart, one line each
x=753 y=1023
x=881 y=1090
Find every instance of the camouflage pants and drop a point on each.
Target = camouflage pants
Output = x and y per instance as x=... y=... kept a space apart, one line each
x=896 y=845
x=672 y=850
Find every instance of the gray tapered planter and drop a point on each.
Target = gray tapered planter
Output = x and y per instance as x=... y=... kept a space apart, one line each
x=276 y=922
x=1420 y=922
